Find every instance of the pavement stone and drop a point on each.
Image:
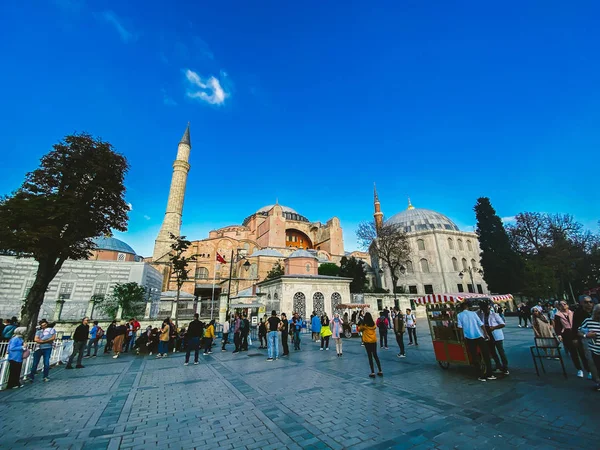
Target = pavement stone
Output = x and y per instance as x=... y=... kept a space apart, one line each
x=310 y=400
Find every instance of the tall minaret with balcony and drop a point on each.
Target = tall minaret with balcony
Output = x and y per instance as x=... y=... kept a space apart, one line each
x=172 y=220
x=378 y=214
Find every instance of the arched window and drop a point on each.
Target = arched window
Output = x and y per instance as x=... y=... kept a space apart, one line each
x=464 y=264
x=336 y=299
x=473 y=264
x=450 y=244
x=201 y=273
x=424 y=266
x=455 y=264
x=409 y=267
x=469 y=246
x=420 y=244
x=460 y=245
x=299 y=304
x=319 y=304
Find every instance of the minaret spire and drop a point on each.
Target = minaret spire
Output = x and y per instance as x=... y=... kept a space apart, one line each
x=172 y=221
x=378 y=215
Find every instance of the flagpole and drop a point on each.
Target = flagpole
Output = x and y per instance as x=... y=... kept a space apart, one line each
x=212 y=298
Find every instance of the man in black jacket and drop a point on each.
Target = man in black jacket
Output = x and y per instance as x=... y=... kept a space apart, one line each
x=80 y=338
x=245 y=332
x=194 y=333
x=110 y=335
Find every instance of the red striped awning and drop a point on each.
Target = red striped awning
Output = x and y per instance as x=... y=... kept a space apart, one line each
x=457 y=298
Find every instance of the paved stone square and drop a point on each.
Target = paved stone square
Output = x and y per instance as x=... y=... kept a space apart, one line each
x=310 y=400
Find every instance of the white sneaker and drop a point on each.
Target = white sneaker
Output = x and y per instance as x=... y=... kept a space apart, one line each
x=195 y=363
x=580 y=373
x=321 y=349
x=186 y=364
x=115 y=357
x=590 y=376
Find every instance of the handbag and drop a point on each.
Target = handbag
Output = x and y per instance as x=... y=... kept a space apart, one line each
x=26 y=353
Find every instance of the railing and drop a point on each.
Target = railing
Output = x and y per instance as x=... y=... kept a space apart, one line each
x=60 y=352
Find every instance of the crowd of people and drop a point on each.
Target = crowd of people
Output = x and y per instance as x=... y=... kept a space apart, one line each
x=578 y=330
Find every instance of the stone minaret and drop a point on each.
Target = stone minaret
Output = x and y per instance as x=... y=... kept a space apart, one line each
x=378 y=214
x=172 y=221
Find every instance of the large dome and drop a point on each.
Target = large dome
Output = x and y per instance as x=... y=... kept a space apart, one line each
x=113 y=244
x=286 y=209
x=419 y=219
x=288 y=213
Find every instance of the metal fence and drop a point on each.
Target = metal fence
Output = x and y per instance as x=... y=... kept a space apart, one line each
x=60 y=353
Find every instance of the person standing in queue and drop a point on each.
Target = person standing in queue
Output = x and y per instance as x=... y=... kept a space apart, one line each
x=475 y=336
x=284 y=327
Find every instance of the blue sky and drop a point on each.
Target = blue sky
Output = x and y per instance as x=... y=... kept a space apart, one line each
x=311 y=102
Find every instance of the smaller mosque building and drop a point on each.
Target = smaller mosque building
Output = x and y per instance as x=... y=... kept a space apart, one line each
x=79 y=285
x=442 y=260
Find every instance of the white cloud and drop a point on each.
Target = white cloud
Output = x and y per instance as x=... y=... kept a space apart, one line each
x=208 y=90
x=508 y=219
x=167 y=99
x=147 y=217
x=113 y=19
x=130 y=206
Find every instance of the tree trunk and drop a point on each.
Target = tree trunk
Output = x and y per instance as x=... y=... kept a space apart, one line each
x=47 y=270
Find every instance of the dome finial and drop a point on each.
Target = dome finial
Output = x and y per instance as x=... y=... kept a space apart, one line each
x=410 y=206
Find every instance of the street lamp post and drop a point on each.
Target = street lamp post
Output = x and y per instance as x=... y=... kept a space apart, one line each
x=231 y=261
x=470 y=270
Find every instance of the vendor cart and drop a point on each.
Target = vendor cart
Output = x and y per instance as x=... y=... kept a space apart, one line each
x=350 y=328
x=448 y=341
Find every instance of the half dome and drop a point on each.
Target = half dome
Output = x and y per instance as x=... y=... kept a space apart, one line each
x=267 y=252
x=302 y=254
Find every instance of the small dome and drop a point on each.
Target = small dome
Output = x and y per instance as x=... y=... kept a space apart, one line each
x=302 y=254
x=419 y=219
x=267 y=252
x=113 y=244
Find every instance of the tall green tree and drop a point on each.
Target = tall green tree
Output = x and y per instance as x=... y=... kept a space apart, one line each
x=329 y=269
x=180 y=261
x=355 y=269
x=76 y=194
x=129 y=297
x=502 y=267
x=387 y=244
x=276 y=271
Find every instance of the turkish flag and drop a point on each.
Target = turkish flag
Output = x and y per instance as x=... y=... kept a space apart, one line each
x=220 y=259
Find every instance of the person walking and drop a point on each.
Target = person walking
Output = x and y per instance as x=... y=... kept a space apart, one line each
x=337 y=331
x=17 y=351
x=273 y=325
x=563 y=326
x=315 y=327
x=262 y=332
x=237 y=333
x=245 y=324
x=297 y=325
x=399 y=330
x=494 y=324
x=590 y=331
x=110 y=335
x=284 y=327
x=209 y=336
x=165 y=337
x=383 y=325
x=194 y=333
x=475 y=336
x=411 y=326
x=225 y=335
x=325 y=332
x=96 y=334
x=369 y=338
x=80 y=338
x=44 y=337
x=119 y=339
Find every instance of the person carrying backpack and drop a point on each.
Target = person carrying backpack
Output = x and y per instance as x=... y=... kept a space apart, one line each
x=383 y=324
x=9 y=329
x=96 y=334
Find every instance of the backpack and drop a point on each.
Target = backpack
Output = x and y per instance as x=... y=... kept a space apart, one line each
x=8 y=331
x=381 y=323
x=99 y=333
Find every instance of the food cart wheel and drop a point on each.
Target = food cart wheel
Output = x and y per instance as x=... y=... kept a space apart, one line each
x=444 y=364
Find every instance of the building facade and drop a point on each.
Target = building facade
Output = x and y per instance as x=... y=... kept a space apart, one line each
x=440 y=253
x=79 y=285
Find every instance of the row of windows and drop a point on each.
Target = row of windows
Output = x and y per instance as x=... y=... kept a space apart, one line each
x=465 y=265
x=421 y=244
x=424 y=265
x=65 y=290
x=428 y=288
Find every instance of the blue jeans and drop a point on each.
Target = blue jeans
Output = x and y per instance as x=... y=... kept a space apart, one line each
x=163 y=347
x=37 y=355
x=273 y=344
x=296 y=339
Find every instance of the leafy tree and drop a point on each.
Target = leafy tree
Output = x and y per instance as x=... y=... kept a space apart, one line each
x=389 y=244
x=329 y=269
x=355 y=269
x=502 y=267
x=76 y=194
x=130 y=297
x=180 y=261
x=277 y=271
